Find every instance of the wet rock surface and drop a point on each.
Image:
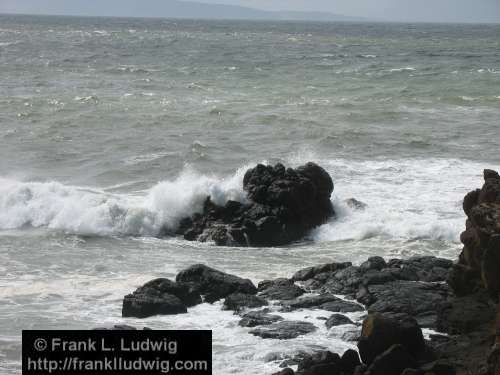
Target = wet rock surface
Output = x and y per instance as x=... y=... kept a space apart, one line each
x=479 y=263
x=240 y=301
x=416 y=299
x=324 y=301
x=284 y=330
x=258 y=318
x=337 y=320
x=160 y=297
x=214 y=284
x=381 y=332
x=283 y=205
x=279 y=289
x=411 y=287
x=310 y=272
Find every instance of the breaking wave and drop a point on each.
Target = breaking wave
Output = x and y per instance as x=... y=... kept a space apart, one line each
x=409 y=200
x=95 y=212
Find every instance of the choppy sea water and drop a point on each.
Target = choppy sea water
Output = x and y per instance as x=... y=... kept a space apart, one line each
x=111 y=128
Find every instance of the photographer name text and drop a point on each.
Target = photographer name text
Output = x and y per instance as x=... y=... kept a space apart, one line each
x=102 y=345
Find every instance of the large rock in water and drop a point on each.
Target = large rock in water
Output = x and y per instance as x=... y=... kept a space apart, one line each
x=214 y=284
x=479 y=263
x=160 y=297
x=283 y=205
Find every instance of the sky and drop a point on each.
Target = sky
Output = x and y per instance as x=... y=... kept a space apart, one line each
x=384 y=10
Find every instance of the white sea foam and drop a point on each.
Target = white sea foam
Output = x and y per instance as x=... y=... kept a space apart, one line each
x=407 y=200
x=405 y=69
x=467 y=98
x=91 y=211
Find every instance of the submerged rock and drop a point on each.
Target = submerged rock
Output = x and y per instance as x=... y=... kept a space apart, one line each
x=324 y=301
x=283 y=205
x=258 y=318
x=355 y=204
x=288 y=329
x=337 y=320
x=241 y=301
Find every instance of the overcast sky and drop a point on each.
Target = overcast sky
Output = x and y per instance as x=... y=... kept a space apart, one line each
x=392 y=10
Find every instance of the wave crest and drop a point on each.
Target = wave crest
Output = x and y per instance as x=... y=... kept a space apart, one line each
x=96 y=212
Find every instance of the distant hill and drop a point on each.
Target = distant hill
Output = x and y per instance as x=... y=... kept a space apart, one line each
x=158 y=8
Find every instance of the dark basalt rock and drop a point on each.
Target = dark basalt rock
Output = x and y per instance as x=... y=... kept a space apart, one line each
x=479 y=263
x=160 y=297
x=490 y=264
x=345 y=281
x=214 y=284
x=341 y=306
x=355 y=204
x=349 y=361
x=410 y=287
x=337 y=320
x=239 y=301
x=325 y=301
x=258 y=318
x=285 y=371
x=412 y=371
x=380 y=332
x=310 y=272
x=392 y=362
x=120 y=327
x=439 y=367
x=279 y=289
x=328 y=363
x=420 y=300
x=143 y=306
x=421 y=268
x=323 y=369
x=295 y=360
x=360 y=370
x=323 y=362
x=284 y=330
x=465 y=314
x=283 y=205
x=374 y=263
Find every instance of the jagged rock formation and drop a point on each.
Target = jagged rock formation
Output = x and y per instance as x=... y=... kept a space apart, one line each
x=479 y=263
x=283 y=205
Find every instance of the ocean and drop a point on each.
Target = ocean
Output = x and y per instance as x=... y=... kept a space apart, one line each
x=112 y=128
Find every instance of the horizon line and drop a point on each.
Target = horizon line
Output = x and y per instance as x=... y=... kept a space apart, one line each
x=355 y=19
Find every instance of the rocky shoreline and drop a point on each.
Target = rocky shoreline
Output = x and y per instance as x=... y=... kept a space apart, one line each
x=400 y=297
